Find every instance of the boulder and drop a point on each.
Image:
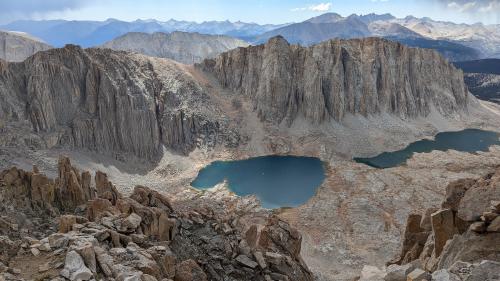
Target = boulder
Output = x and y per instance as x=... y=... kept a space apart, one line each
x=444 y=275
x=128 y=224
x=486 y=270
x=246 y=261
x=398 y=272
x=75 y=269
x=494 y=226
x=418 y=275
x=372 y=273
x=443 y=228
x=189 y=270
x=477 y=199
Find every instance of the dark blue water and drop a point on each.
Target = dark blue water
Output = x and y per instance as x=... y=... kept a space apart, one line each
x=470 y=140
x=278 y=181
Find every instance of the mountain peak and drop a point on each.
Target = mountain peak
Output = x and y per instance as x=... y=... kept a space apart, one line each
x=326 y=18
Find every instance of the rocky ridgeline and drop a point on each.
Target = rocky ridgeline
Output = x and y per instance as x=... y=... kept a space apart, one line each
x=71 y=229
x=458 y=242
x=184 y=47
x=338 y=77
x=97 y=99
x=16 y=46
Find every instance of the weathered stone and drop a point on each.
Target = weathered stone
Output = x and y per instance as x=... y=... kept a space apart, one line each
x=478 y=227
x=66 y=223
x=260 y=259
x=444 y=275
x=372 y=273
x=494 y=226
x=418 y=275
x=251 y=236
x=58 y=240
x=486 y=270
x=425 y=223
x=398 y=272
x=443 y=227
x=129 y=224
x=489 y=216
x=477 y=199
x=455 y=191
x=74 y=268
x=189 y=270
x=246 y=261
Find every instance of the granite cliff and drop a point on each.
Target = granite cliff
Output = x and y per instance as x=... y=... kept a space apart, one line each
x=104 y=100
x=183 y=47
x=338 y=77
x=17 y=46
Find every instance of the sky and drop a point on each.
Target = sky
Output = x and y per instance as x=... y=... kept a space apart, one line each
x=259 y=11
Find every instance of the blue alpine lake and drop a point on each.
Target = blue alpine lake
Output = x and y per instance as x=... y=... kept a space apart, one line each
x=469 y=140
x=278 y=181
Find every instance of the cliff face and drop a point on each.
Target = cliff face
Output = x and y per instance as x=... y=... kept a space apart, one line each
x=339 y=77
x=106 y=101
x=183 y=47
x=17 y=47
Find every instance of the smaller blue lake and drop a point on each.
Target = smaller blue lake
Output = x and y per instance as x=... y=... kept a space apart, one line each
x=278 y=181
x=469 y=140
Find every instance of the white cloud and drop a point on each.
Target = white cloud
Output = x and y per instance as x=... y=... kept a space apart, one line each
x=473 y=6
x=321 y=7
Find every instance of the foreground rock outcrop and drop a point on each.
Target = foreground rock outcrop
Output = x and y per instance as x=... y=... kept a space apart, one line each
x=17 y=46
x=69 y=229
x=459 y=241
x=183 y=47
x=338 y=77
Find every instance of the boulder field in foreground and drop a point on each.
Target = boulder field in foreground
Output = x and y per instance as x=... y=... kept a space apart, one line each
x=71 y=229
x=458 y=242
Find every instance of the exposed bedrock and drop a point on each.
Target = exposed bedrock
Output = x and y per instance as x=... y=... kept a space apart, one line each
x=337 y=77
x=107 y=101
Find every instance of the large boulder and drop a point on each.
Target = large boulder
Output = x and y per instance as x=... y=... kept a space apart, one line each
x=75 y=269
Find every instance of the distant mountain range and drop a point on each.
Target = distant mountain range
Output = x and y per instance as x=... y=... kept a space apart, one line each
x=183 y=47
x=332 y=25
x=94 y=33
x=457 y=42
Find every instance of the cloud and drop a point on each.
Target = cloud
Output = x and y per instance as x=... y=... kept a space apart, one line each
x=473 y=6
x=321 y=7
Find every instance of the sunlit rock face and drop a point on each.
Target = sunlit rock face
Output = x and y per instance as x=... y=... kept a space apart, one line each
x=338 y=77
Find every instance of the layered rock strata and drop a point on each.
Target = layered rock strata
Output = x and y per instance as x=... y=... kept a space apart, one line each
x=329 y=80
x=140 y=237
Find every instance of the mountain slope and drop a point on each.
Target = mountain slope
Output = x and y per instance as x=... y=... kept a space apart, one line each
x=319 y=29
x=487 y=66
x=18 y=46
x=183 y=47
x=482 y=78
x=339 y=77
